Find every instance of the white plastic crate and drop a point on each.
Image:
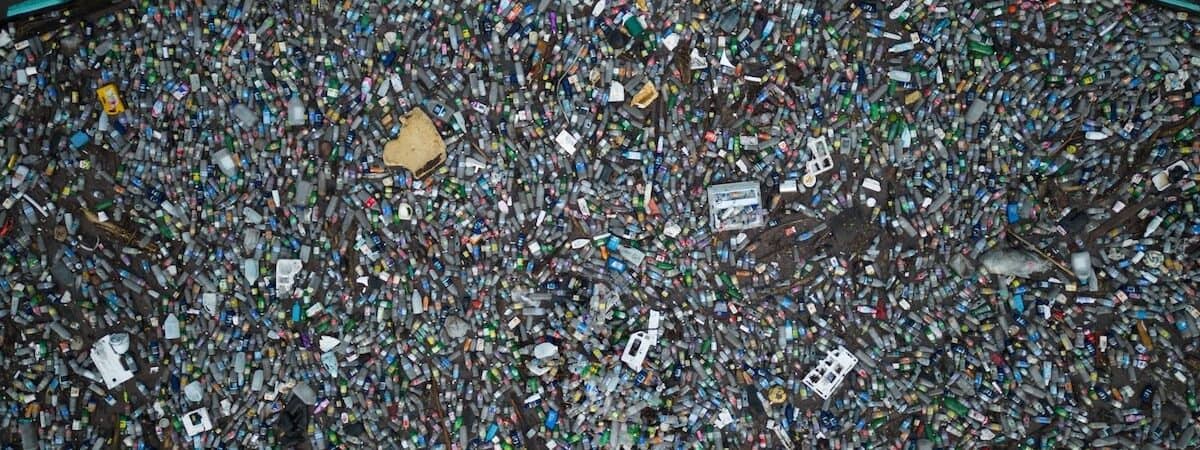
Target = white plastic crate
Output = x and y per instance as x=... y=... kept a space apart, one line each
x=736 y=206
x=830 y=371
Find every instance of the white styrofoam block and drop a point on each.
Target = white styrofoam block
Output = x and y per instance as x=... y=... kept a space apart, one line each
x=566 y=141
x=285 y=275
x=636 y=349
x=107 y=358
x=821 y=161
x=197 y=422
x=788 y=186
x=872 y=184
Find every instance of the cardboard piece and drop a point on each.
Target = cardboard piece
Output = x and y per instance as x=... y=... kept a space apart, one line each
x=110 y=99
x=645 y=96
x=419 y=148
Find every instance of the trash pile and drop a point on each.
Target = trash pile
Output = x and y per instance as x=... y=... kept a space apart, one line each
x=602 y=224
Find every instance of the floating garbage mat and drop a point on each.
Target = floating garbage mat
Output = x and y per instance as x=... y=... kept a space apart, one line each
x=600 y=224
